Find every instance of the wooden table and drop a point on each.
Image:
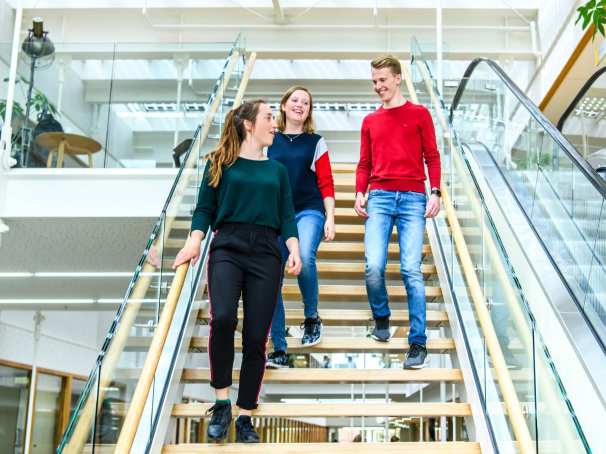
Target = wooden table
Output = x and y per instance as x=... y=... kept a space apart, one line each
x=72 y=144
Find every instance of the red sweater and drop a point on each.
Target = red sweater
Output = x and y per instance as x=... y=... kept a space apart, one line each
x=393 y=146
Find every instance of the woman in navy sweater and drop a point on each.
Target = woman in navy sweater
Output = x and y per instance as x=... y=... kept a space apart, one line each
x=305 y=156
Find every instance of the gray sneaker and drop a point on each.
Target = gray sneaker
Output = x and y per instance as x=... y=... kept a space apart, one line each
x=381 y=330
x=415 y=358
x=312 y=331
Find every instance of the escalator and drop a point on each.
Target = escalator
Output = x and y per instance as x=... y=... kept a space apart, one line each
x=515 y=321
x=546 y=206
x=582 y=123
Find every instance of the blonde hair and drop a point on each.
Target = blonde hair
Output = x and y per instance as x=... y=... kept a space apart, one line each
x=387 y=61
x=232 y=136
x=308 y=125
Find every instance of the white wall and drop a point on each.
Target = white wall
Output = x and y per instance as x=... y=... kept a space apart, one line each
x=57 y=193
x=559 y=36
x=7 y=20
x=69 y=341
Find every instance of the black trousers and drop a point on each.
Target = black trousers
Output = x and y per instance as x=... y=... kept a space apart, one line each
x=244 y=260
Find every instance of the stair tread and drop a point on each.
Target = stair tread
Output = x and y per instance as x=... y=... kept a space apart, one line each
x=352 y=291
x=316 y=375
x=198 y=410
x=347 y=246
x=409 y=447
x=349 y=317
x=340 y=344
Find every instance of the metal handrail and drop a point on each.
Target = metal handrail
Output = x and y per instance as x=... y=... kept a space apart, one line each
x=596 y=181
x=584 y=89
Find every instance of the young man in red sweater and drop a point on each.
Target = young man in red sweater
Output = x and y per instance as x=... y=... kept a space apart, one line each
x=396 y=140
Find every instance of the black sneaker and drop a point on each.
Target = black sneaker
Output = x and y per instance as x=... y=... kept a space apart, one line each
x=312 y=331
x=245 y=432
x=218 y=427
x=415 y=358
x=277 y=360
x=381 y=330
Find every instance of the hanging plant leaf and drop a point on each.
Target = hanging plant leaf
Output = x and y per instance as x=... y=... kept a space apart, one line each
x=593 y=13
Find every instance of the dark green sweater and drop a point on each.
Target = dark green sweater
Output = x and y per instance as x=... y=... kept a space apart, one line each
x=250 y=192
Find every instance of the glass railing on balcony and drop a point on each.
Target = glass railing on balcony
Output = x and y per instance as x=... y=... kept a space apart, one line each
x=122 y=104
x=98 y=418
x=525 y=404
x=582 y=123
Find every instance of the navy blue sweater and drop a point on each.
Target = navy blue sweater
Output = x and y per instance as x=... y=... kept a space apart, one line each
x=308 y=165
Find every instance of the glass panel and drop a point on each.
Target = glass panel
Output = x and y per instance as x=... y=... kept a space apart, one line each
x=46 y=422
x=106 y=398
x=77 y=390
x=122 y=104
x=584 y=126
x=488 y=113
x=14 y=395
x=555 y=193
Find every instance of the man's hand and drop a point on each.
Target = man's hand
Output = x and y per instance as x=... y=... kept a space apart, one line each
x=329 y=228
x=433 y=206
x=360 y=204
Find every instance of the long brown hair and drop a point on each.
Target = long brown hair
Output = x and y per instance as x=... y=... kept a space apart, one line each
x=308 y=125
x=232 y=136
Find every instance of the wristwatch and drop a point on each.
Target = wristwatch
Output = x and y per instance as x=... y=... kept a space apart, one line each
x=436 y=191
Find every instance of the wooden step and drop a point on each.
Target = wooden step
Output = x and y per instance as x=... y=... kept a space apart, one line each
x=344 y=167
x=355 y=250
x=198 y=410
x=342 y=344
x=345 y=215
x=345 y=183
x=408 y=447
x=296 y=375
x=354 y=232
x=355 y=270
x=397 y=293
x=342 y=250
x=350 y=317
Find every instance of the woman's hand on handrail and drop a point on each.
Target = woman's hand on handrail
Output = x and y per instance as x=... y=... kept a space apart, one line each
x=191 y=250
x=293 y=264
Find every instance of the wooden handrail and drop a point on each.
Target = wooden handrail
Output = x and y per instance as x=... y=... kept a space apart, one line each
x=409 y=85
x=81 y=432
x=245 y=77
x=510 y=296
x=512 y=403
x=135 y=409
x=137 y=405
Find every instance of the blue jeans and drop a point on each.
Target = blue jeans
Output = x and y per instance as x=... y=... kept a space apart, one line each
x=310 y=224
x=407 y=211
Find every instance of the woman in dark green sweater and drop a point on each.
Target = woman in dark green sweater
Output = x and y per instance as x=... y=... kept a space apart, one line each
x=246 y=199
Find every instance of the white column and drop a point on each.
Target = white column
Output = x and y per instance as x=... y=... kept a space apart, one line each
x=64 y=62
x=6 y=162
x=38 y=319
x=180 y=64
x=439 y=50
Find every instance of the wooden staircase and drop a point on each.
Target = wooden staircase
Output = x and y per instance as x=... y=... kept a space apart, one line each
x=415 y=405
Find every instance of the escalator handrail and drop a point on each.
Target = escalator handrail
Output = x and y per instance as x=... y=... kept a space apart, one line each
x=582 y=92
x=597 y=182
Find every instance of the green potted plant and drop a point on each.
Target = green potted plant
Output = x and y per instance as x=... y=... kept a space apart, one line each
x=593 y=13
x=17 y=109
x=40 y=103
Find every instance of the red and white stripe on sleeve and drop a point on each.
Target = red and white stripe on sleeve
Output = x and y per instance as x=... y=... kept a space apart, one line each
x=321 y=166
